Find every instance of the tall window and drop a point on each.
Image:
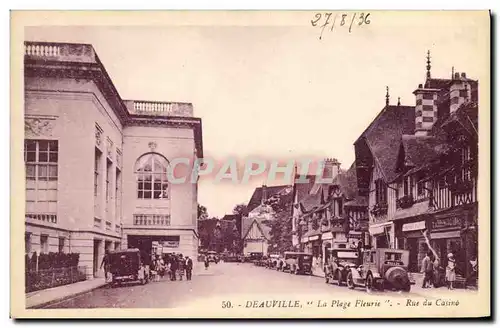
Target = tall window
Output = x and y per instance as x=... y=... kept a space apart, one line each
x=466 y=157
x=27 y=242
x=97 y=184
x=118 y=195
x=62 y=242
x=151 y=170
x=44 y=244
x=380 y=192
x=97 y=160
x=108 y=174
x=41 y=158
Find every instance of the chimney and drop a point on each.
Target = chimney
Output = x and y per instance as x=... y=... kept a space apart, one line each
x=425 y=109
x=460 y=91
x=264 y=194
x=331 y=168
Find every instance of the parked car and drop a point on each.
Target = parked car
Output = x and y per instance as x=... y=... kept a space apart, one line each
x=340 y=264
x=272 y=262
x=297 y=263
x=213 y=257
x=128 y=265
x=382 y=268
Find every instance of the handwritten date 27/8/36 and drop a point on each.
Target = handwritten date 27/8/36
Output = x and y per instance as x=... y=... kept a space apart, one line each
x=343 y=20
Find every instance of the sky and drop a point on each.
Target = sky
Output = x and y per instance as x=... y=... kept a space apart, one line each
x=270 y=88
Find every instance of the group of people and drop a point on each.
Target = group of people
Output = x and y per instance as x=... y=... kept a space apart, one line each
x=432 y=270
x=172 y=265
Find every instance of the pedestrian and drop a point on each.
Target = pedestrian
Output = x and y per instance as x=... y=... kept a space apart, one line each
x=206 y=262
x=437 y=273
x=173 y=268
x=181 y=267
x=450 y=271
x=154 y=270
x=427 y=269
x=105 y=264
x=162 y=267
x=189 y=268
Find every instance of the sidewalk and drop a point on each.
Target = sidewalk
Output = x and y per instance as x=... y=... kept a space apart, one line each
x=52 y=295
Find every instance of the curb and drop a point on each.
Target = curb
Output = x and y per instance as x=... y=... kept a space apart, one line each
x=64 y=298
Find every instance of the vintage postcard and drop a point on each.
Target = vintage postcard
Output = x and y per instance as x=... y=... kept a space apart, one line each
x=260 y=164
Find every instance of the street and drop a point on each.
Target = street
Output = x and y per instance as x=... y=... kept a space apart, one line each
x=235 y=281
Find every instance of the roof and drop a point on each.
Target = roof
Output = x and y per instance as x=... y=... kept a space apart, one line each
x=303 y=189
x=247 y=223
x=419 y=150
x=383 y=136
x=347 y=182
x=358 y=201
x=256 y=198
x=231 y=217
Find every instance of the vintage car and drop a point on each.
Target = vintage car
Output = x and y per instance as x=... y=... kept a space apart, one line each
x=272 y=261
x=340 y=264
x=128 y=265
x=297 y=263
x=213 y=257
x=382 y=268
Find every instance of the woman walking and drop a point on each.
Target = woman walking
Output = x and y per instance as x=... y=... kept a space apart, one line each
x=450 y=271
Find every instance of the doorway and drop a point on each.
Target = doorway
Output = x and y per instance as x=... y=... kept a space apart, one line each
x=412 y=247
x=95 y=259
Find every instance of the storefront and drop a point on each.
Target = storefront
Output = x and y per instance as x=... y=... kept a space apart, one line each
x=409 y=236
x=315 y=245
x=381 y=234
x=455 y=231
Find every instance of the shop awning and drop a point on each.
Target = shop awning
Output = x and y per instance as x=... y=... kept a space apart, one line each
x=377 y=229
x=445 y=234
x=304 y=239
x=312 y=238
x=415 y=210
x=420 y=225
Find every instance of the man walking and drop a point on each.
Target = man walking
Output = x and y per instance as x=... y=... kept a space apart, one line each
x=105 y=264
x=189 y=268
x=427 y=269
x=173 y=268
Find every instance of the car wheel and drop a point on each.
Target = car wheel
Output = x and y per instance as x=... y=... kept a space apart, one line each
x=339 y=278
x=407 y=287
x=369 y=283
x=350 y=281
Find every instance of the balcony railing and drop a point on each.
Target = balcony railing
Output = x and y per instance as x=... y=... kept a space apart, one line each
x=44 y=217
x=108 y=225
x=157 y=108
x=97 y=223
x=152 y=220
x=67 y=52
x=117 y=228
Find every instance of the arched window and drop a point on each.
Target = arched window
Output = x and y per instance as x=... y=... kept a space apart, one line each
x=151 y=170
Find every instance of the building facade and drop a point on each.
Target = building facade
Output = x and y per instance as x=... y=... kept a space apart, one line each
x=331 y=216
x=96 y=165
x=418 y=167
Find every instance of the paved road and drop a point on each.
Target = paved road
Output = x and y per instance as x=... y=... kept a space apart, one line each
x=229 y=280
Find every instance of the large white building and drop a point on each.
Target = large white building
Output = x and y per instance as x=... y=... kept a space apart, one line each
x=96 y=165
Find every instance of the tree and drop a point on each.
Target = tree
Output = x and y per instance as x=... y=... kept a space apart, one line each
x=281 y=225
x=202 y=212
x=241 y=209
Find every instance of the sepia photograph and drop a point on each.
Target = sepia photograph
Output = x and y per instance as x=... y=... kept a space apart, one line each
x=250 y=164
